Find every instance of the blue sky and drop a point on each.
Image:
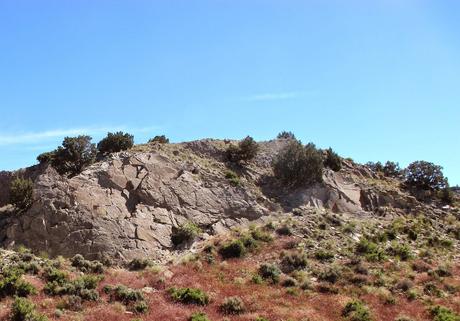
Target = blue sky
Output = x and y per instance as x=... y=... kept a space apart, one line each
x=375 y=80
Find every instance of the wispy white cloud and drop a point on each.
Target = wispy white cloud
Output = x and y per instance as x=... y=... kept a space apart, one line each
x=43 y=136
x=275 y=96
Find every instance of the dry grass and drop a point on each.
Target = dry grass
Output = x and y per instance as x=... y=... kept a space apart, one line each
x=233 y=277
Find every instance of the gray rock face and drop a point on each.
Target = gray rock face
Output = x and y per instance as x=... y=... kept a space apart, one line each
x=127 y=205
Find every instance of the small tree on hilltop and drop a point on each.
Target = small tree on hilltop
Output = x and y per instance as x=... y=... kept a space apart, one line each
x=375 y=167
x=74 y=155
x=424 y=175
x=391 y=169
x=115 y=142
x=245 y=150
x=21 y=193
x=162 y=139
x=296 y=164
x=286 y=135
x=46 y=157
x=333 y=160
x=446 y=195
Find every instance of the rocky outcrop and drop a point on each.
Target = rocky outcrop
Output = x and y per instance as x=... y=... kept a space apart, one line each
x=128 y=205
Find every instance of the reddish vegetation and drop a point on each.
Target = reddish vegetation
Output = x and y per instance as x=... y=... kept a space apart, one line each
x=232 y=278
x=403 y=307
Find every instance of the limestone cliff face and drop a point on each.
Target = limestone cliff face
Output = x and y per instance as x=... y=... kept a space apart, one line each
x=127 y=205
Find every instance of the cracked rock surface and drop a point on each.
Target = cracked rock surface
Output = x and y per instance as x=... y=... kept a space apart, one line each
x=127 y=205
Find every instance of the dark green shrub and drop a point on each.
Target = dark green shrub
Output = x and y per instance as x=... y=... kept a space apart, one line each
x=412 y=234
x=402 y=251
x=233 y=178
x=441 y=313
x=333 y=219
x=446 y=243
x=189 y=296
x=324 y=287
x=59 y=284
x=370 y=250
x=360 y=268
x=88 y=295
x=45 y=158
x=375 y=167
x=286 y=135
x=257 y=279
x=404 y=285
x=141 y=307
x=349 y=228
x=289 y=282
x=232 y=305
x=260 y=235
x=126 y=295
x=199 y=316
x=161 y=139
x=232 y=249
x=412 y=295
x=55 y=275
x=431 y=289
x=270 y=272
x=138 y=264
x=107 y=289
x=423 y=175
x=435 y=241
x=185 y=233
x=330 y=274
x=271 y=226
x=249 y=242
x=332 y=160
x=24 y=289
x=306 y=285
x=12 y=284
x=293 y=261
x=209 y=254
x=245 y=150
x=284 y=230
x=324 y=255
x=21 y=193
x=390 y=234
x=115 y=142
x=133 y=299
x=446 y=195
x=391 y=169
x=30 y=267
x=83 y=265
x=74 y=155
x=365 y=246
x=25 y=255
x=87 y=282
x=297 y=165
x=356 y=311
x=24 y=310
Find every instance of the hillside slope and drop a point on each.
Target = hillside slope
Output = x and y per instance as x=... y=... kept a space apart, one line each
x=130 y=204
x=315 y=265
